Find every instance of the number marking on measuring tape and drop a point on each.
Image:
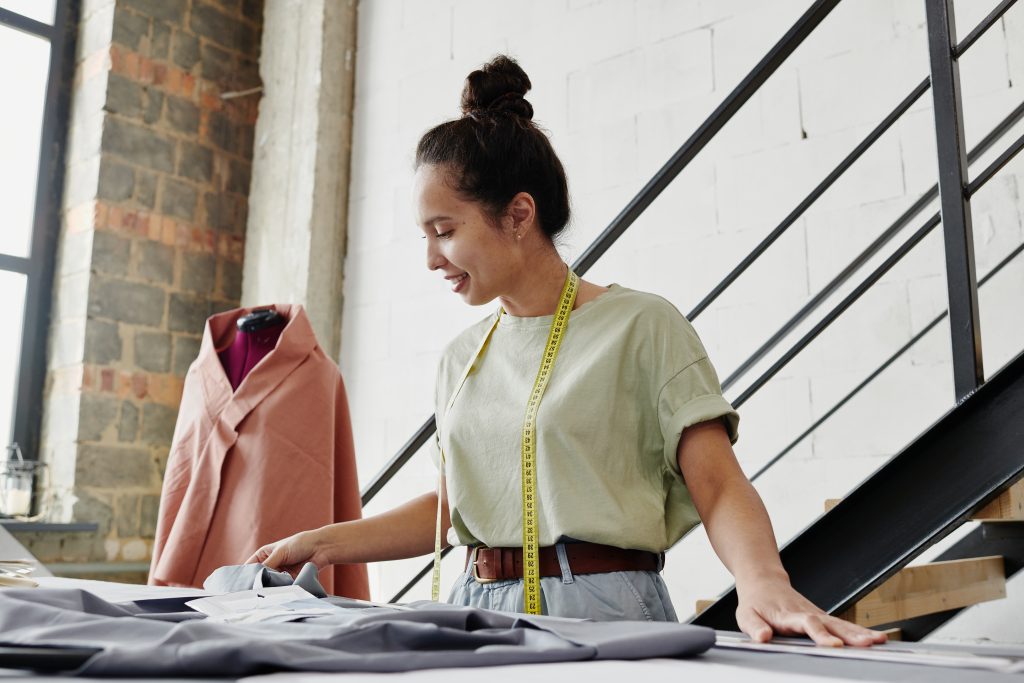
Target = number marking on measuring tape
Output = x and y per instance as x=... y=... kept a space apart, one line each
x=531 y=550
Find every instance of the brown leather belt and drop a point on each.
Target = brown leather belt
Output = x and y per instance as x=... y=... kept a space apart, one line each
x=497 y=564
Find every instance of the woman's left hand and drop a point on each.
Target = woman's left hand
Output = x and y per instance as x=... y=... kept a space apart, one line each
x=774 y=607
x=741 y=533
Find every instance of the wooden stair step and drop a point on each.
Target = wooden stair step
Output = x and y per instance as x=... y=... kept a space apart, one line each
x=1008 y=507
x=930 y=588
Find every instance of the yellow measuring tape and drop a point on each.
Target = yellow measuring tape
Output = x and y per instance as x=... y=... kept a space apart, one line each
x=531 y=550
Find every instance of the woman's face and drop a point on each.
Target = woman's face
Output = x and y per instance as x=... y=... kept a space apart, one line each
x=473 y=255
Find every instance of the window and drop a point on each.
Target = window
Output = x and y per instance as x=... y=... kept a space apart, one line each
x=34 y=46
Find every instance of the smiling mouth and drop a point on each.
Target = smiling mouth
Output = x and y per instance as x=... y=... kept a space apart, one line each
x=459 y=281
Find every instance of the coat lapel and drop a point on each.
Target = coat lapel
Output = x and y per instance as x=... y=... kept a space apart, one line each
x=226 y=409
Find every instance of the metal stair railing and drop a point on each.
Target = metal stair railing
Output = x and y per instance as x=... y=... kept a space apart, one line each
x=967 y=458
x=908 y=101
x=706 y=132
x=870 y=251
x=812 y=197
x=995 y=15
x=837 y=406
x=873 y=277
x=688 y=151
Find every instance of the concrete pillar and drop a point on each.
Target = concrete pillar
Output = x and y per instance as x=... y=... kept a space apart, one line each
x=295 y=240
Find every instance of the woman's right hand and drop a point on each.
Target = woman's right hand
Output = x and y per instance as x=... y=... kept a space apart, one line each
x=291 y=553
x=406 y=531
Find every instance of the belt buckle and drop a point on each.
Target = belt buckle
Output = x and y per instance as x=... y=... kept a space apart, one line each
x=473 y=561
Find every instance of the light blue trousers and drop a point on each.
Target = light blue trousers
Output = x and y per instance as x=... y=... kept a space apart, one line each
x=609 y=596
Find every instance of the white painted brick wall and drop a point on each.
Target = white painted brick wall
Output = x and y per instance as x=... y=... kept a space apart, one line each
x=620 y=84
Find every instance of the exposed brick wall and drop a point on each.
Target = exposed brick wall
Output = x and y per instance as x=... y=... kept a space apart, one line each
x=151 y=245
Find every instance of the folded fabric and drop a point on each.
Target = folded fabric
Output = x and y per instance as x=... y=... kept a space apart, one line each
x=136 y=640
x=244 y=577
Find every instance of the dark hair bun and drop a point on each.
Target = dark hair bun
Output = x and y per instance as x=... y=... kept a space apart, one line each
x=496 y=150
x=499 y=86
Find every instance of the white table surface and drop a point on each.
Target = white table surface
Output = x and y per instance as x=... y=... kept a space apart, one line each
x=119 y=592
x=715 y=666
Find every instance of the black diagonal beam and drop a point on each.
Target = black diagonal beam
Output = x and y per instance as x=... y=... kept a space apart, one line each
x=749 y=86
x=27 y=25
x=982 y=28
x=961 y=279
x=398 y=461
x=933 y=486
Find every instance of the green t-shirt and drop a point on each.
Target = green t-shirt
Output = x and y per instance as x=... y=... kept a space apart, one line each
x=630 y=376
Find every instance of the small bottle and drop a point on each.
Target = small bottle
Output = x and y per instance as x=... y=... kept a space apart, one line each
x=16 y=479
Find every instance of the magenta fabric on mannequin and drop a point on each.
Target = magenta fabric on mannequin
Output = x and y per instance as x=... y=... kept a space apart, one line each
x=248 y=349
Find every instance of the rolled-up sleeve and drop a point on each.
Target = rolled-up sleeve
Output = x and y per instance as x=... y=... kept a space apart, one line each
x=693 y=395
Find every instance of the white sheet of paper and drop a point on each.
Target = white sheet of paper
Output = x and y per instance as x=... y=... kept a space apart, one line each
x=263 y=605
x=243 y=601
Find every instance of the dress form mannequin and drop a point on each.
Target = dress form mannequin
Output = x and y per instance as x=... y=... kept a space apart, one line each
x=256 y=337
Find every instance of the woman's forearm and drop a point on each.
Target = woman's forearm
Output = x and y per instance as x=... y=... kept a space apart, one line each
x=405 y=531
x=741 y=533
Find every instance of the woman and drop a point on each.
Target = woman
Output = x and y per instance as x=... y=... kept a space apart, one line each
x=633 y=408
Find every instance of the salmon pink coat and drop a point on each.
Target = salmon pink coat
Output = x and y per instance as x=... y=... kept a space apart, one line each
x=257 y=464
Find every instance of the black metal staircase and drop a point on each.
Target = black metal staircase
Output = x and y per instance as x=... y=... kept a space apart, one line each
x=933 y=486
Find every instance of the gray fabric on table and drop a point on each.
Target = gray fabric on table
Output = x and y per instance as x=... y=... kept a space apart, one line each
x=244 y=577
x=424 y=635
